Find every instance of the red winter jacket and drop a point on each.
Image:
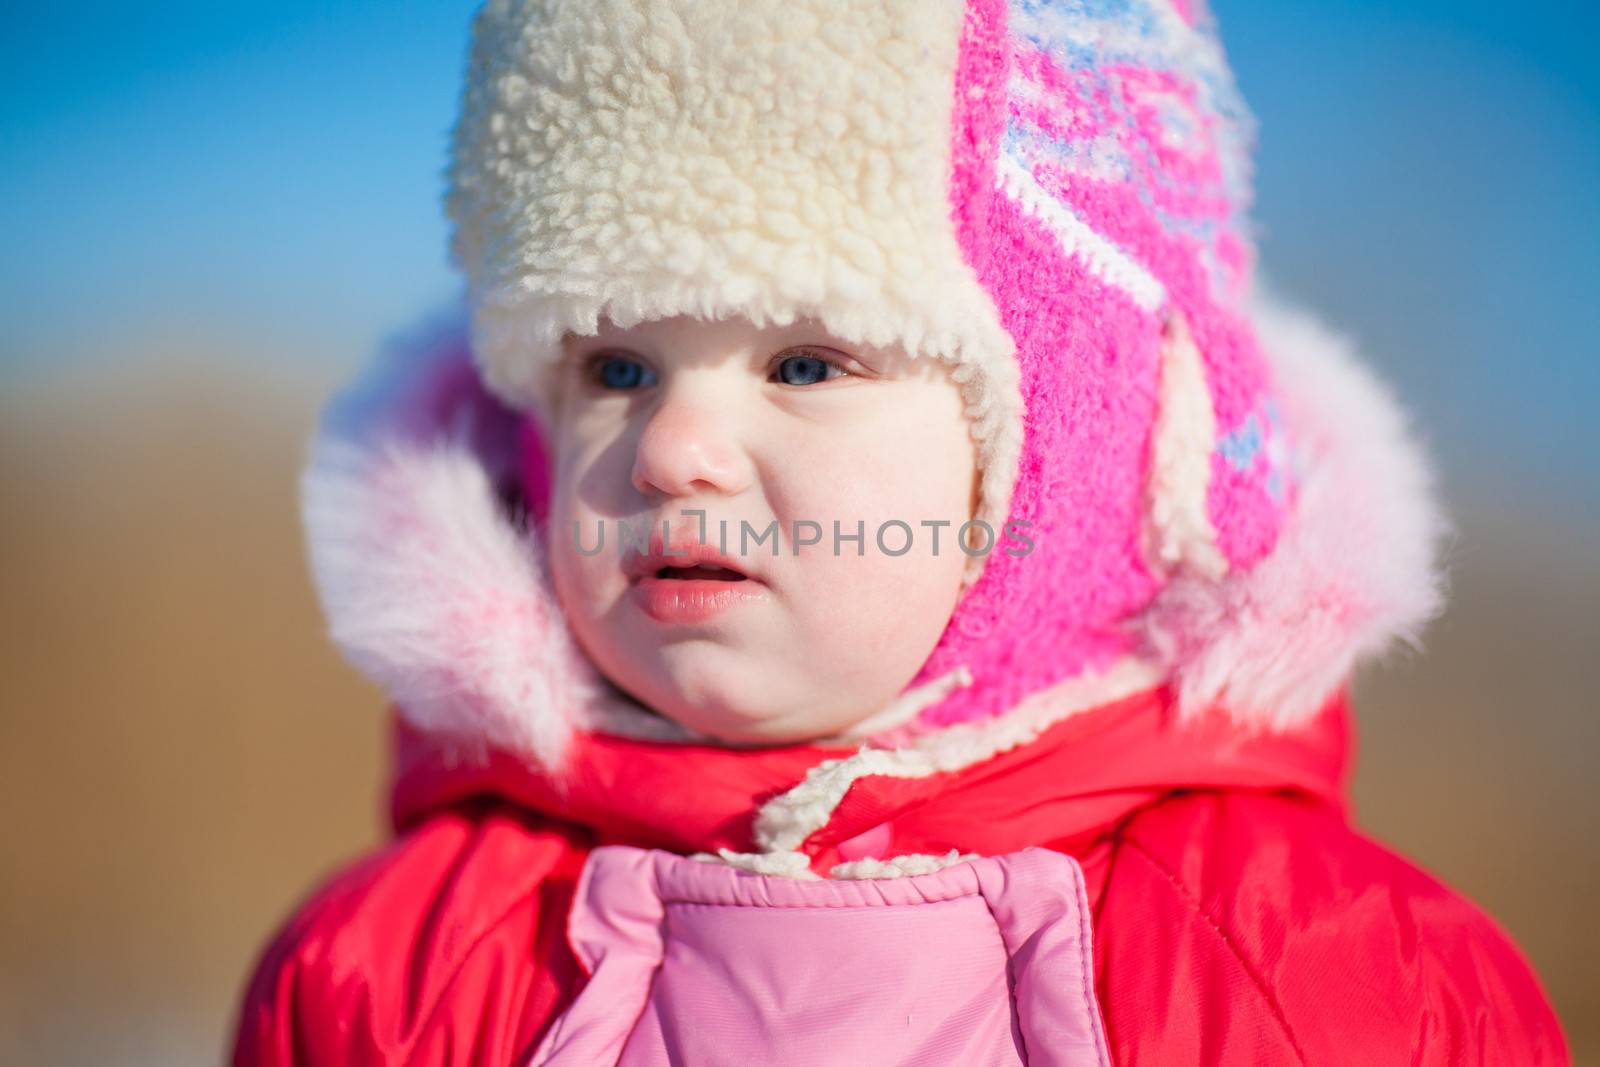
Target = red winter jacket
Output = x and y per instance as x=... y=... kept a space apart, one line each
x=1237 y=916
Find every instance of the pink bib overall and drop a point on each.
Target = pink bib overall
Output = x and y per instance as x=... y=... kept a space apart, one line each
x=986 y=962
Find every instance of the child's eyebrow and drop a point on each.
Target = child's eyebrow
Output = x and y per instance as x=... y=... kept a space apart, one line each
x=574 y=345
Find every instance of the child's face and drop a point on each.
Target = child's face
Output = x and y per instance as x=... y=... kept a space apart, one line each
x=757 y=425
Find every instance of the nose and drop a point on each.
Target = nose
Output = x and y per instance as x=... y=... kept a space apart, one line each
x=687 y=447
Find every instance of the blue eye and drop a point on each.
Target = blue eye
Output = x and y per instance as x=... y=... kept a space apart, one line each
x=619 y=372
x=803 y=370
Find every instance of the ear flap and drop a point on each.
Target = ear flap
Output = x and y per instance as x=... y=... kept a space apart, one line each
x=1351 y=565
x=1178 y=534
x=1215 y=497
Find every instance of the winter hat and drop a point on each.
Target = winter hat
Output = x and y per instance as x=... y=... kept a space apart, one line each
x=1041 y=195
x=1049 y=197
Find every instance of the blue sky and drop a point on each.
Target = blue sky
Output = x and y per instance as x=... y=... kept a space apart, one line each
x=209 y=170
x=264 y=179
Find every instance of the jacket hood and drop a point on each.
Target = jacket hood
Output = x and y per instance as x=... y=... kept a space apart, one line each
x=433 y=583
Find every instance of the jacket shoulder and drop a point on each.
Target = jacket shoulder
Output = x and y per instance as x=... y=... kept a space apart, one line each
x=1344 y=951
x=447 y=945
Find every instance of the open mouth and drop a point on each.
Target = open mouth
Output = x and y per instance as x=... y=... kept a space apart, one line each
x=701 y=572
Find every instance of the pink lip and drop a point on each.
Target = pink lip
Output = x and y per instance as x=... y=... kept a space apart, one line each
x=687 y=600
x=684 y=551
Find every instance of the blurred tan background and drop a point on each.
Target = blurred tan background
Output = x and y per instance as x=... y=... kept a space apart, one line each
x=211 y=213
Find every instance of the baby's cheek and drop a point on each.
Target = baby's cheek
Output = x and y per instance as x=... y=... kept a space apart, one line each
x=908 y=464
x=899 y=562
x=579 y=572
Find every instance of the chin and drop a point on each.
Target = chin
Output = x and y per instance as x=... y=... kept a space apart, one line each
x=734 y=723
x=723 y=715
x=723 y=693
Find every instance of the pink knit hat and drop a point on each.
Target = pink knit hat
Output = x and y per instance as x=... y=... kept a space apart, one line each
x=1045 y=195
x=1049 y=196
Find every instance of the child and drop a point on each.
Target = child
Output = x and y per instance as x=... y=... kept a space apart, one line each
x=1066 y=787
